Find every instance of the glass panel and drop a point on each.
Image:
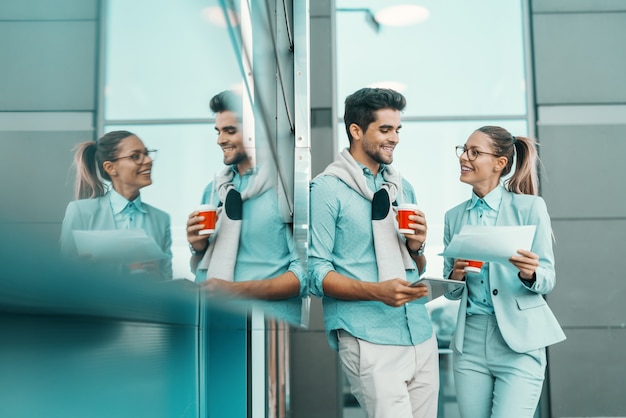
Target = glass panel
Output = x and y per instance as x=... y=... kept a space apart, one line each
x=466 y=58
x=165 y=59
x=188 y=160
x=164 y=97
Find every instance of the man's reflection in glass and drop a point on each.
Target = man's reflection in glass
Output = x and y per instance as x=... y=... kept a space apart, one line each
x=251 y=254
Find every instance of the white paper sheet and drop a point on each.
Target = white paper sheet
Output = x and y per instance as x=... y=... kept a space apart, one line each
x=493 y=244
x=124 y=246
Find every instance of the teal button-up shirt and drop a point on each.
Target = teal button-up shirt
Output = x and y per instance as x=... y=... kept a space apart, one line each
x=342 y=241
x=126 y=214
x=266 y=246
x=482 y=212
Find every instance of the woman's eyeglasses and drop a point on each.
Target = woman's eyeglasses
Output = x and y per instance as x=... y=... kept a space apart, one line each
x=139 y=157
x=472 y=153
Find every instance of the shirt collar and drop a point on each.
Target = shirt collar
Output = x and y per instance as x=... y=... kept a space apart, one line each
x=381 y=168
x=492 y=199
x=248 y=172
x=119 y=202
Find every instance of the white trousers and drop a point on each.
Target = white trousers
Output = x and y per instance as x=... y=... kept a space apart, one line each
x=391 y=381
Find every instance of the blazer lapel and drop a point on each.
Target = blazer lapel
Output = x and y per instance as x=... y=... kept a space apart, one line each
x=506 y=208
x=105 y=219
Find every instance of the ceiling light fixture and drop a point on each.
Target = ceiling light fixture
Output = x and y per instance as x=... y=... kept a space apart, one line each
x=393 y=85
x=402 y=15
x=215 y=15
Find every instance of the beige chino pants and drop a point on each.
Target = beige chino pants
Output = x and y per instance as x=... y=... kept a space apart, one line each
x=391 y=381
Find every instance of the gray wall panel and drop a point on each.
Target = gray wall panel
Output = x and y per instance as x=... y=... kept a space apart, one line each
x=580 y=58
x=37 y=182
x=320 y=393
x=48 y=10
x=587 y=376
x=47 y=66
x=315 y=389
x=579 y=177
x=590 y=289
x=321 y=73
x=541 y=6
x=42 y=235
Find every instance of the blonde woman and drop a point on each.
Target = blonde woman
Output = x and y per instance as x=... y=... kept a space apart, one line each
x=121 y=158
x=504 y=323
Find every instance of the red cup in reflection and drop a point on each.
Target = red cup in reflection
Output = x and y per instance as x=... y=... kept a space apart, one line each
x=209 y=212
x=473 y=266
x=404 y=211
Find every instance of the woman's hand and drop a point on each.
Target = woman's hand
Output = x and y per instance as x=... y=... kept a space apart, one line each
x=458 y=271
x=527 y=263
x=148 y=267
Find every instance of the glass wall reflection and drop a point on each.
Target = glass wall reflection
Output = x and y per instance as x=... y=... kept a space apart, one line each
x=190 y=53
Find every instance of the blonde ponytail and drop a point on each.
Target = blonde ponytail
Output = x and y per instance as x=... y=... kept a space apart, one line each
x=524 y=179
x=88 y=185
x=89 y=161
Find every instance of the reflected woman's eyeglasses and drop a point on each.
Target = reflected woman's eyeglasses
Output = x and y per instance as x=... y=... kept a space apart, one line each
x=139 y=157
x=472 y=153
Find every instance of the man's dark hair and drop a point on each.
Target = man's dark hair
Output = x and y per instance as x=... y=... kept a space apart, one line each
x=226 y=101
x=361 y=106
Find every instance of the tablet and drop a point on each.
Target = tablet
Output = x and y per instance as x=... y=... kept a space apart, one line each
x=437 y=286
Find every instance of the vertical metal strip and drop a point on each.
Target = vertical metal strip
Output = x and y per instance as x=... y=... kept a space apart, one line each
x=543 y=409
x=302 y=117
x=99 y=117
x=531 y=114
x=247 y=57
x=202 y=353
x=257 y=363
x=258 y=375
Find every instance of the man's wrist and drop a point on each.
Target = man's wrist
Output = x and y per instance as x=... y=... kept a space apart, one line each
x=195 y=252
x=419 y=251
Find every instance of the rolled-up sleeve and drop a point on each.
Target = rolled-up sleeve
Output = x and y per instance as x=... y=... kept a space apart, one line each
x=296 y=267
x=324 y=208
x=542 y=246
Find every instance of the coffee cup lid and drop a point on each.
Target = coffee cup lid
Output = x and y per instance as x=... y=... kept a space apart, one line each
x=206 y=207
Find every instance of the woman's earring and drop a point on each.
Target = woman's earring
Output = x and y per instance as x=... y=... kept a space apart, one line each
x=115 y=173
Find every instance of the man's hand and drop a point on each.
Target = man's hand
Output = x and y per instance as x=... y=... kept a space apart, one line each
x=420 y=228
x=198 y=242
x=216 y=287
x=397 y=292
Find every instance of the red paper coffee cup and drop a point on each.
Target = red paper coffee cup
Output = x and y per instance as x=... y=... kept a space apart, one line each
x=404 y=211
x=209 y=212
x=473 y=266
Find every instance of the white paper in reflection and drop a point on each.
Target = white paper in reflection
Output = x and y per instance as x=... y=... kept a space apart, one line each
x=119 y=245
x=493 y=244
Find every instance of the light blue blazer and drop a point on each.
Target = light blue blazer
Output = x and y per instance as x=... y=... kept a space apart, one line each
x=96 y=214
x=524 y=318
